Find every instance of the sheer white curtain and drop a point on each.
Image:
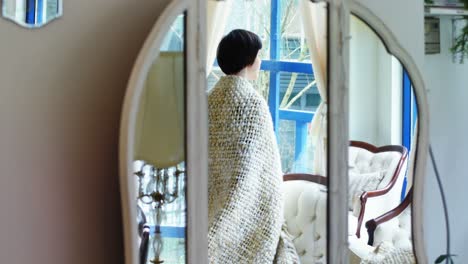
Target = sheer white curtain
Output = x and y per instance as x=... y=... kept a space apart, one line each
x=314 y=19
x=216 y=19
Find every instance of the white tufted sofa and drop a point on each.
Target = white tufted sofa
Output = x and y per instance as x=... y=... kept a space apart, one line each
x=305 y=212
x=379 y=173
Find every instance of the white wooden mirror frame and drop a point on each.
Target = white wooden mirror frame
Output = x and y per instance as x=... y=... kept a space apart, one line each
x=197 y=127
x=395 y=48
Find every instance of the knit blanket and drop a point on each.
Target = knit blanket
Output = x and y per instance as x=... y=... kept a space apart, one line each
x=245 y=199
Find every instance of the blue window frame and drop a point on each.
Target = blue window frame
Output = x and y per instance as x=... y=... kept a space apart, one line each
x=31 y=12
x=34 y=12
x=275 y=54
x=406 y=126
x=410 y=114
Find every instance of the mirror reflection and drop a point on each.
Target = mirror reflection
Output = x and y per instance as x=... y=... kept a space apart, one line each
x=31 y=13
x=383 y=134
x=159 y=158
x=267 y=99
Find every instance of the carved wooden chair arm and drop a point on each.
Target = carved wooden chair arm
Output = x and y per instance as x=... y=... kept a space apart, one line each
x=319 y=179
x=372 y=224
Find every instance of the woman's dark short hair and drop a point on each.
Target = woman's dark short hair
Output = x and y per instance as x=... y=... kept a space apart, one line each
x=237 y=50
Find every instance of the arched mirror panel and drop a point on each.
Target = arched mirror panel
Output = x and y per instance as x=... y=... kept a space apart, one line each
x=388 y=138
x=153 y=145
x=159 y=157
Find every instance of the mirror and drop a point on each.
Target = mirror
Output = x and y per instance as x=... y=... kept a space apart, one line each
x=383 y=117
x=32 y=13
x=159 y=154
x=267 y=131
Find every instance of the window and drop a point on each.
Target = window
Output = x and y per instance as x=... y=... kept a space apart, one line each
x=286 y=81
x=174 y=39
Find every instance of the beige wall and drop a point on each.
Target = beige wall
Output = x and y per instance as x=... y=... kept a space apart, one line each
x=447 y=82
x=61 y=89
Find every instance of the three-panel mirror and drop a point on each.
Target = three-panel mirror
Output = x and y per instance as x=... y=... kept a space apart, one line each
x=267 y=88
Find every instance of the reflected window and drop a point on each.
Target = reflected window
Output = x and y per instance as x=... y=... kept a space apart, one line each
x=31 y=13
x=174 y=40
x=286 y=71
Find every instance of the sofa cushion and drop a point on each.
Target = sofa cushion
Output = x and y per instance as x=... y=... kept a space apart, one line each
x=362 y=182
x=305 y=212
x=397 y=231
x=363 y=161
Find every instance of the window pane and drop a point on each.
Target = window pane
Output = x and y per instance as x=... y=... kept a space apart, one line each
x=301 y=162
x=298 y=91
x=253 y=16
x=287 y=131
x=293 y=42
x=174 y=39
x=213 y=77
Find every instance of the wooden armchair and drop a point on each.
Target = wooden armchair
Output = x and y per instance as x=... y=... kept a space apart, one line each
x=387 y=162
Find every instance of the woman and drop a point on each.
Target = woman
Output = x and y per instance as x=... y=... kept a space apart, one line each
x=245 y=200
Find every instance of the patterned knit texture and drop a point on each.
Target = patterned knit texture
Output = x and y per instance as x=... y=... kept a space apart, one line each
x=245 y=199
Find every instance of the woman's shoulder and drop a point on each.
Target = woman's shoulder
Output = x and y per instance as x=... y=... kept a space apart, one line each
x=236 y=84
x=237 y=91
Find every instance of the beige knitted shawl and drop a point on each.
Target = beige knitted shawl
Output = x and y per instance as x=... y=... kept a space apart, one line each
x=245 y=201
